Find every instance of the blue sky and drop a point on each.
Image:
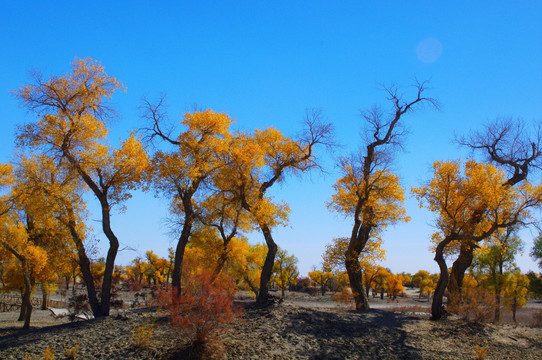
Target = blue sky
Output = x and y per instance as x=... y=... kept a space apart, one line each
x=265 y=62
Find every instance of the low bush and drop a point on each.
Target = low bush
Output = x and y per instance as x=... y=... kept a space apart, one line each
x=141 y=334
x=477 y=305
x=537 y=318
x=481 y=352
x=202 y=308
x=344 y=296
x=48 y=354
x=70 y=352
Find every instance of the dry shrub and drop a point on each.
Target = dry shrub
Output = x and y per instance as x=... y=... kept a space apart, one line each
x=481 y=352
x=203 y=307
x=344 y=296
x=477 y=305
x=537 y=318
x=70 y=352
x=48 y=354
x=141 y=334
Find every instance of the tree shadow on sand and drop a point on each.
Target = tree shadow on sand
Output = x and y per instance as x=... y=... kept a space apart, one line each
x=375 y=334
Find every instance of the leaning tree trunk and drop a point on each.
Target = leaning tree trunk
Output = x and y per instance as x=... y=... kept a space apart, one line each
x=189 y=217
x=221 y=263
x=353 y=269
x=84 y=265
x=455 y=285
x=26 y=305
x=179 y=253
x=252 y=287
x=360 y=236
x=267 y=269
x=437 y=308
x=107 y=282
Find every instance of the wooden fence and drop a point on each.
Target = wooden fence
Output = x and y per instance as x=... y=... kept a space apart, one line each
x=13 y=302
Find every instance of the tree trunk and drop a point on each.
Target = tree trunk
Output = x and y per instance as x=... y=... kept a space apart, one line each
x=22 y=311
x=437 y=308
x=366 y=283
x=498 y=290
x=497 y=306
x=185 y=233
x=252 y=287
x=267 y=269
x=26 y=305
x=109 y=260
x=455 y=284
x=84 y=265
x=179 y=255
x=221 y=262
x=360 y=236
x=353 y=269
x=44 y=296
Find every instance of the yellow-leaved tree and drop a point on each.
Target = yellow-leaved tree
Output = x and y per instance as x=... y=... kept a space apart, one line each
x=259 y=161
x=182 y=173
x=515 y=291
x=472 y=202
x=285 y=270
x=368 y=191
x=321 y=278
x=32 y=235
x=72 y=129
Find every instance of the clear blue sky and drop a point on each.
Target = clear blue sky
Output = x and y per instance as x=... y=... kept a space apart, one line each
x=265 y=62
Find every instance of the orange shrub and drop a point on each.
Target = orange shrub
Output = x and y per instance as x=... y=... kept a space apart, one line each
x=202 y=307
x=478 y=305
x=344 y=296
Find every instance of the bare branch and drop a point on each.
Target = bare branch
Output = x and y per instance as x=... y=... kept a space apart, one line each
x=157 y=118
x=507 y=143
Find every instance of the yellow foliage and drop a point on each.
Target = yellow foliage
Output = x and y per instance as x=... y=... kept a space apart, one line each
x=427 y=286
x=516 y=290
x=381 y=197
x=142 y=334
x=471 y=200
x=6 y=178
x=73 y=124
x=481 y=352
x=334 y=256
x=71 y=105
x=320 y=277
x=71 y=352
x=395 y=285
x=48 y=354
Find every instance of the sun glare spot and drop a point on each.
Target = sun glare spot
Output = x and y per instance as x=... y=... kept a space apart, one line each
x=429 y=50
